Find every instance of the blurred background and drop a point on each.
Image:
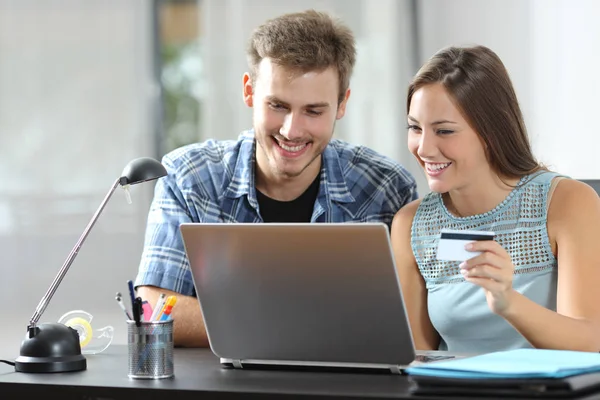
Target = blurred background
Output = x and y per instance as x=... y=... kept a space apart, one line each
x=87 y=86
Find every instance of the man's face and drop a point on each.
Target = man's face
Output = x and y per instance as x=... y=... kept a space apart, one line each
x=294 y=117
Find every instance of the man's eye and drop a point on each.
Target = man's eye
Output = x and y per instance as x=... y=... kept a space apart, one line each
x=314 y=112
x=276 y=106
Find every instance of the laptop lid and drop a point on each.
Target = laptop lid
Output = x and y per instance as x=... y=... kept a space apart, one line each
x=325 y=293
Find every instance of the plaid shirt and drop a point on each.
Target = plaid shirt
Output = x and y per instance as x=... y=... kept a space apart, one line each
x=214 y=182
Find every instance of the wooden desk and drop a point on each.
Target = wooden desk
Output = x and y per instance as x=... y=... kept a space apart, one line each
x=198 y=375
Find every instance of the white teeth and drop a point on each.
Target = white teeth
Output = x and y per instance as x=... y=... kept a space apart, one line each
x=437 y=167
x=292 y=149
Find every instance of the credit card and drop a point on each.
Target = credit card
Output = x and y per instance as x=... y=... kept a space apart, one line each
x=451 y=246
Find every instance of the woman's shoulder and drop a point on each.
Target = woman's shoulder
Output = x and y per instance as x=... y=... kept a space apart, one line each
x=405 y=215
x=574 y=208
x=573 y=195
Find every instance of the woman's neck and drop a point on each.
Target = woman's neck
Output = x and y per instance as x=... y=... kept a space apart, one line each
x=479 y=197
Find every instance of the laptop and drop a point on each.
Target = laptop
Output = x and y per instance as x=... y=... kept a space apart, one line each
x=301 y=295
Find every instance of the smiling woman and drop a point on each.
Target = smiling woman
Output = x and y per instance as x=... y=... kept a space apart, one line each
x=534 y=284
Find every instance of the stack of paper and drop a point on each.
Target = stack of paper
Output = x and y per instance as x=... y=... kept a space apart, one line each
x=521 y=363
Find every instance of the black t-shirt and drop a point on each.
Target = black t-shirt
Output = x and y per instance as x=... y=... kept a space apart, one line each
x=298 y=210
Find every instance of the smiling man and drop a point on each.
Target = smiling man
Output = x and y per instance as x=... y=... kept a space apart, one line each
x=286 y=169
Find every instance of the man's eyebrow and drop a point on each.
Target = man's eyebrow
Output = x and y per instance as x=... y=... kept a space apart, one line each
x=317 y=105
x=274 y=99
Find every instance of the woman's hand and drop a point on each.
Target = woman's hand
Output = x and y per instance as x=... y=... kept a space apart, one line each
x=493 y=271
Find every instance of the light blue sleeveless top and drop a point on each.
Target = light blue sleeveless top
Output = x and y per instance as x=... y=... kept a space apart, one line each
x=458 y=309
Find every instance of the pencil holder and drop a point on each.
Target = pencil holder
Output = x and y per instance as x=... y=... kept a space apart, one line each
x=150 y=349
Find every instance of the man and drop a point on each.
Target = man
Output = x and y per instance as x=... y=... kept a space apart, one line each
x=286 y=169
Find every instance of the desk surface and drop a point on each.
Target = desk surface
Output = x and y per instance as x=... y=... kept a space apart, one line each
x=198 y=372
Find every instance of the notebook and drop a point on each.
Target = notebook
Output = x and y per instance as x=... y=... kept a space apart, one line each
x=519 y=363
x=301 y=295
x=521 y=373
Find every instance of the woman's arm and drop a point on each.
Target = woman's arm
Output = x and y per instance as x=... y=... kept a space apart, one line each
x=411 y=281
x=574 y=225
x=574 y=231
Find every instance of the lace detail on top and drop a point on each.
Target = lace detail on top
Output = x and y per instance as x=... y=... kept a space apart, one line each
x=519 y=222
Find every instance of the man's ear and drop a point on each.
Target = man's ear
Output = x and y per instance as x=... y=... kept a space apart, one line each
x=341 y=110
x=248 y=90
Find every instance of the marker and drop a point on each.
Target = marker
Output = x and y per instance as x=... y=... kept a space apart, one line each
x=166 y=314
x=147 y=309
x=170 y=302
x=137 y=307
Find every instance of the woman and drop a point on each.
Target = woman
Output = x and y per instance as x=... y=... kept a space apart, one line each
x=536 y=283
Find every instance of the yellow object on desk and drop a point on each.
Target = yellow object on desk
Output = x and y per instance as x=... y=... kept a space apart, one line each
x=166 y=310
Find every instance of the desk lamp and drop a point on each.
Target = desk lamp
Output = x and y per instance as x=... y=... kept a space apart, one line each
x=54 y=347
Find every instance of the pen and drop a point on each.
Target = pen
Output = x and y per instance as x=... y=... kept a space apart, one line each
x=158 y=307
x=131 y=291
x=118 y=297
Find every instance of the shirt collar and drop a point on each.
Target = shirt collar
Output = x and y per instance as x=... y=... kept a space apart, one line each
x=333 y=187
x=242 y=164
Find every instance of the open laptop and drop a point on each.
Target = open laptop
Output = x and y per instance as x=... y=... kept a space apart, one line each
x=301 y=295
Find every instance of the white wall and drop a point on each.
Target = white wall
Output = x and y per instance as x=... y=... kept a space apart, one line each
x=565 y=83
x=76 y=104
x=551 y=49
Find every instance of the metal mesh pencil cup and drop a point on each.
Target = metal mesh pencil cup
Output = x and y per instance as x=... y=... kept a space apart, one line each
x=150 y=349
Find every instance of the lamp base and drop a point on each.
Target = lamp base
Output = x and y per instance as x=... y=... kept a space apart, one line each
x=50 y=348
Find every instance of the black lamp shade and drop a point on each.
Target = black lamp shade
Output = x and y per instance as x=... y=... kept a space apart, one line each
x=141 y=170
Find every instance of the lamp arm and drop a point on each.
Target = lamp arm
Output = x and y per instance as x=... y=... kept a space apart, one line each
x=63 y=271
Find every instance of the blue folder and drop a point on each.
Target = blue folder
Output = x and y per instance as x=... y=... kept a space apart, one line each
x=520 y=363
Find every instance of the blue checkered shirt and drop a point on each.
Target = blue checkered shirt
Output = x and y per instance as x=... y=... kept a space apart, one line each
x=213 y=181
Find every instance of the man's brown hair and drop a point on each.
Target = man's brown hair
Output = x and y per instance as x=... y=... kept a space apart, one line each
x=480 y=87
x=302 y=42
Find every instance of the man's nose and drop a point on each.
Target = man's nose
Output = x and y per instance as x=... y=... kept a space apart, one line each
x=291 y=128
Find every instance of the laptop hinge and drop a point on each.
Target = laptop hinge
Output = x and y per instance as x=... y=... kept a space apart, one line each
x=396 y=370
x=236 y=364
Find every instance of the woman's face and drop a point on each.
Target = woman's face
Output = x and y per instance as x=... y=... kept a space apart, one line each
x=449 y=150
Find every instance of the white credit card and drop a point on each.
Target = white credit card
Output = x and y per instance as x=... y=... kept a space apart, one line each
x=451 y=246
